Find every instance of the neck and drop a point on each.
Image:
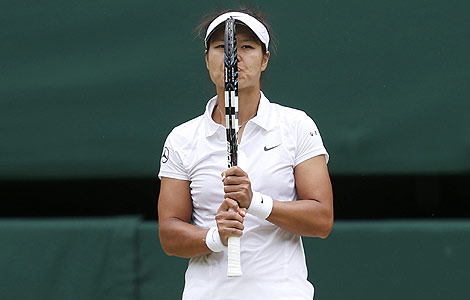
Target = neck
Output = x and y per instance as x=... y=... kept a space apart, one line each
x=248 y=101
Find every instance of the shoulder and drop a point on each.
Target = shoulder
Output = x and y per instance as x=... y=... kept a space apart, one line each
x=193 y=128
x=188 y=128
x=179 y=141
x=294 y=122
x=289 y=116
x=288 y=111
x=182 y=136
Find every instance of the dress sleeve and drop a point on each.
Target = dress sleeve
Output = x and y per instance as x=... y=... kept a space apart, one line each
x=171 y=162
x=309 y=141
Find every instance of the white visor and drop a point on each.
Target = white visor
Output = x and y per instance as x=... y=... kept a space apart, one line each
x=256 y=26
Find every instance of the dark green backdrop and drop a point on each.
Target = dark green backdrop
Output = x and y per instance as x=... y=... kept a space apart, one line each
x=122 y=259
x=92 y=88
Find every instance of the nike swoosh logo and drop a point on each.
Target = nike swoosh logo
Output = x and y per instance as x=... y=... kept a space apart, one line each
x=267 y=149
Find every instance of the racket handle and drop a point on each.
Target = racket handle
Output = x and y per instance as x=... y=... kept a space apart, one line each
x=234 y=268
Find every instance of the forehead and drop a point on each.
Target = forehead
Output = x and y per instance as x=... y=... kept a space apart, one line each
x=243 y=33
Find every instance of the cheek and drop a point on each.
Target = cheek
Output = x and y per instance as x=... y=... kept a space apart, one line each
x=215 y=64
x=254 y=62
x=215 y=67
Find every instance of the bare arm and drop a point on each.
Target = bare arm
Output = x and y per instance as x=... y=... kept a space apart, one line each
x=312 y=213
x=178 y=236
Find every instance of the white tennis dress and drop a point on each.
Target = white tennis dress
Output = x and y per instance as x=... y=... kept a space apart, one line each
x=273 y=142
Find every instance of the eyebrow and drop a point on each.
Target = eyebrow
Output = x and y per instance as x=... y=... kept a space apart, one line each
x=245 y=39
x=248 y=40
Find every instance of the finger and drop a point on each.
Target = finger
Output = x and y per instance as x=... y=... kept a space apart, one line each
x=233 y=188
x=234 y=180
x=236 y=196
x=241 y=199
x=237 y=178
x=230 y=224
x=230 y=189
x=225 y=234
x=234 y=171
x=230 y=228
x=223 y=207
x=235 y=192
x=227 y=204
x=232 y=203
x=234 y=215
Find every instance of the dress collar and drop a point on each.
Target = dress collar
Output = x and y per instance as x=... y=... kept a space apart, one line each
x=262 y=118
x=211 y=126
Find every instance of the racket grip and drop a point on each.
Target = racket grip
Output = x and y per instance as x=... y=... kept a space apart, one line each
x=234 y=268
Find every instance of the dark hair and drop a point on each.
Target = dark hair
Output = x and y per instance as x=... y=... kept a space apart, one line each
x=201 y=29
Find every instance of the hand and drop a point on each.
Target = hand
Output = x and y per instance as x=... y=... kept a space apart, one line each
x=237 y=186
x=230 y=222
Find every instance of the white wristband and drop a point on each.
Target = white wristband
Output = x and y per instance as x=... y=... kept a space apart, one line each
x=261 y=205
x=213 y=240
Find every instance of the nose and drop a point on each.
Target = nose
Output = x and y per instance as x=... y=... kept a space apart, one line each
x=238 y=56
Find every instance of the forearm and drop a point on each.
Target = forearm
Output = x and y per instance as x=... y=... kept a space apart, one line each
x=303 y=217
x=179 y=238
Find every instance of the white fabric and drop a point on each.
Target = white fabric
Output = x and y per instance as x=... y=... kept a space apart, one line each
x=273 y=143
x=213 y=240
x=261 y=205
x=256 y=26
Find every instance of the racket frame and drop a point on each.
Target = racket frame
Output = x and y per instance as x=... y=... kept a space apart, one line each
x=231 y=127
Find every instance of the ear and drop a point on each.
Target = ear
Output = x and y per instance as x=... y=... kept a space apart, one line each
x=264 y=62
x=206 y=54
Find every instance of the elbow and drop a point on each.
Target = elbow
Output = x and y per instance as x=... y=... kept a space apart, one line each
x=166 y=242
x=326 y=227
x=319 y=228
x=326 y=230
x=167 y=249
x=327 y=221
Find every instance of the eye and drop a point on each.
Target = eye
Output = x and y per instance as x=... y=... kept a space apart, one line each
x=247 y=47
x=221 y=46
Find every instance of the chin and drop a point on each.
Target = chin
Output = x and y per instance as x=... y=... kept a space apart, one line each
x=246 y=87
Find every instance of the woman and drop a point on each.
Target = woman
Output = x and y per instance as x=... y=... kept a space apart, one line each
x=279 y=191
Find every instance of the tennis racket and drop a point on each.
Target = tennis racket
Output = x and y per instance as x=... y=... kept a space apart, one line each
x=231 y=128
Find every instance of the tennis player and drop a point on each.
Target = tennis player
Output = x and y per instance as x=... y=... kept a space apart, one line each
x=280 y=190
